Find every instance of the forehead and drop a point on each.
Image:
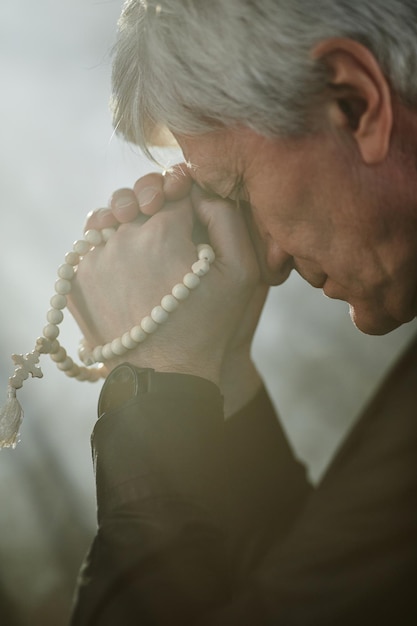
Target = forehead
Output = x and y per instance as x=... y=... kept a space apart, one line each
x=211 y=158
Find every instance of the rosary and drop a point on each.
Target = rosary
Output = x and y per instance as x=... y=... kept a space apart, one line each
x=93 y=359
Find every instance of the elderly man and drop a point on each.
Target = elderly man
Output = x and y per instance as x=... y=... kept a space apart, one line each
x=298 y=123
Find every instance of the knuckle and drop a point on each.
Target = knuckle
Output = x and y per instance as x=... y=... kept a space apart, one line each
x=154 y=179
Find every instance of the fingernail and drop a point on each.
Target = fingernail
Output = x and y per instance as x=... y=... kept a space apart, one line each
x=97 y=213
x=121 y=202
x=145 y=196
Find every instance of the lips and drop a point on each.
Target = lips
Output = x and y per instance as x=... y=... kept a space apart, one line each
x=332 y=290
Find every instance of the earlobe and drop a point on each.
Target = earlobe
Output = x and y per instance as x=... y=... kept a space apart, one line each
x=360 y=95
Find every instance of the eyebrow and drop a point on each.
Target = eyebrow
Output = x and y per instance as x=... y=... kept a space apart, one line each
x=209 y=186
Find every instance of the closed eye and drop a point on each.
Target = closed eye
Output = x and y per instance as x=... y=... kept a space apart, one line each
x=236 y=194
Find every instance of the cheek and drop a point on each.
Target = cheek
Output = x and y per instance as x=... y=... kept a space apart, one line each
x=261 y=228
x=372 y=319
x=283 y=210
x=266 y=216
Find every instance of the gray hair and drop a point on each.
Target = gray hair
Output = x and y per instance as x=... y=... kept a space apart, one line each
x=194 y=65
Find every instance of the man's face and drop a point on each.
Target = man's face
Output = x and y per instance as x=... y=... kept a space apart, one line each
x=312 y=206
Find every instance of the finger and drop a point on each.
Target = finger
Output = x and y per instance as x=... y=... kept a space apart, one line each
x=124 y=205
x=177 y=182
x=149 y=193
x=177 y=218
x=77 y=304
x=99 y=219
x=227 y=231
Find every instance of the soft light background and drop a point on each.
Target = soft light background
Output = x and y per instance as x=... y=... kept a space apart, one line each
x=58 y=160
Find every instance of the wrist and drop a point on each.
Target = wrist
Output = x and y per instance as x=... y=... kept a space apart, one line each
x=127 y=383
x=203 y=368
x=240 y=381
x=162 y=355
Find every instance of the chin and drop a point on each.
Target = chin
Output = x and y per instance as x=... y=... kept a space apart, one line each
x=369 y=324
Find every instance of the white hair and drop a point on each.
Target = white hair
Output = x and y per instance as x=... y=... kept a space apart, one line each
x=193 y=65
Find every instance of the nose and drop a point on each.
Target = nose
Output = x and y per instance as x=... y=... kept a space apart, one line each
x=278 y=264
x=311 y=272
x=275 y=264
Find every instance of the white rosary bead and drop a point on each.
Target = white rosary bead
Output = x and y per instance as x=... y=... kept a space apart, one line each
x=128 y=342
x=169 y=303
x=205 y=251
x=95 y=373
x=66 y=271
x=201 y=267
x=62 y=286
x=191 y=281
x=84 y=374
x=54 y=316
x=66 y=365
x=73 y=372
x=51 y=331
x=106 y=233
x=59 y=356
x=85 y=354
x=87 y=359
x=159 y=315
x=72 y=258
x=107 y=352
x=81 y=246
x=117 y=347
x=148 y=325
x=98 y=354
x=55 y=346
x=138 y=334
x=93 y=237
x=180 y=292
x=58 y=301
x=43 y=345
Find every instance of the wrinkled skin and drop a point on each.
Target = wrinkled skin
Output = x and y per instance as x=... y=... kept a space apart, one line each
x=117 y=284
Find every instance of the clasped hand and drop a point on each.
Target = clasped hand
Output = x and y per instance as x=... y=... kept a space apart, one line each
x=116 y=285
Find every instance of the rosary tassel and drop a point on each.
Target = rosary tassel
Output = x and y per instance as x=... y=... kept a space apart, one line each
x=11 y=416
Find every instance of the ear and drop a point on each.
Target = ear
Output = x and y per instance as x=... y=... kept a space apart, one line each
x=360 y=97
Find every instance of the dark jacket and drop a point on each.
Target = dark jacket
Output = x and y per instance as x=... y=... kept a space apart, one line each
x=204 y=522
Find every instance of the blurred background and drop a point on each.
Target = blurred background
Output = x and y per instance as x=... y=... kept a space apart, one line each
x=59 y=160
